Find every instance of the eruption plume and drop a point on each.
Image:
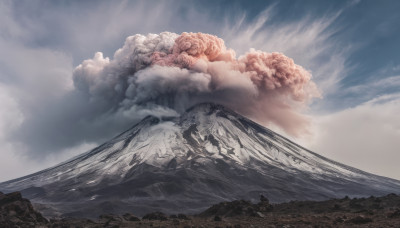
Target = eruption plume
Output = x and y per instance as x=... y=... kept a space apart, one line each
x=173 y=72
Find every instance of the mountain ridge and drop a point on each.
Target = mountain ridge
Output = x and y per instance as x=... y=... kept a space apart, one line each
x=186 y=163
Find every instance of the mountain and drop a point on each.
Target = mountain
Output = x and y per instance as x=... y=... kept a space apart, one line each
x=207 y=155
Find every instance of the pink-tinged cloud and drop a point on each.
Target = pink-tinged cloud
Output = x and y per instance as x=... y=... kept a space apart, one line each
x=190 y=47
x=275 y=71
x=181 y=70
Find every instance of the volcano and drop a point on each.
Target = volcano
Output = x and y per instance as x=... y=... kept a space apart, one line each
x=185 y=164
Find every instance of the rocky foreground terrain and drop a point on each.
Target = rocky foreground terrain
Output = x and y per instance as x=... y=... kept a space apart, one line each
x=16 y=211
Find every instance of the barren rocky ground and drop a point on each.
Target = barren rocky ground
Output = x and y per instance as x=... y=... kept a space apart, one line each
x=16 y=211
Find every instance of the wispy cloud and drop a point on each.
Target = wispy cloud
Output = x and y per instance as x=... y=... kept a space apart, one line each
x=308 y=41
x=370 y=89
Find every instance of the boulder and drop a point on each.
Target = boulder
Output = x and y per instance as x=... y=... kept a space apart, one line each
x=16 y=211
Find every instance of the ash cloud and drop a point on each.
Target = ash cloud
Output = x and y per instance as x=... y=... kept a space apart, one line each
x=167 y=73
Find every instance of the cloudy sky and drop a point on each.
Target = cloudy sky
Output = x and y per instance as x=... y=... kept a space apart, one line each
x=349 y=47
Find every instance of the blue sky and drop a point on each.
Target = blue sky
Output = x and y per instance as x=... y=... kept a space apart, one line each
x=350 y=47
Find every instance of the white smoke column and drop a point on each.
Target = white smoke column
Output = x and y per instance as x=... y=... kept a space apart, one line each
x=175 y=72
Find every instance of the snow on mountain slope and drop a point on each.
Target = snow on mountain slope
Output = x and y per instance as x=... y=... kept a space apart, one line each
x=184 y=164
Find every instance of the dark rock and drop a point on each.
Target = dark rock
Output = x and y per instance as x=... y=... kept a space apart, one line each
x=110 y=217
x=16 y=211
x=355 y=204
x=238 y=208
x=175 y=222
x=230 y=209
x=173 y=216
x=156 y=216
x=339 y=220
x=11 y=197
x=264 y=204
x=217 y=218
x=130 y=217
x=264 y=199
x=183 y=216
x=359 y=220
x=395 y=214
x=376 y=206
x=336 y=207
x=72 y=222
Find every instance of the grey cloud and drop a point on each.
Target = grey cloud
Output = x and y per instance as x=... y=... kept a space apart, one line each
x=366 y=136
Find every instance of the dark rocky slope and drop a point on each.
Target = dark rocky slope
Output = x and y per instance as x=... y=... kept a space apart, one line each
x=358 y=212
x=16 y=211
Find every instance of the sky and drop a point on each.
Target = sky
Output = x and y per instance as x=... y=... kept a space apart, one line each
x=349 y=47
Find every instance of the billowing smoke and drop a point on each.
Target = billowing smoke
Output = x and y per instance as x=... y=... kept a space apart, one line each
x=167 y=73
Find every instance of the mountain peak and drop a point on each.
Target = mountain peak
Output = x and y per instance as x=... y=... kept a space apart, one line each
x=207 y=107
x=187 y=163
